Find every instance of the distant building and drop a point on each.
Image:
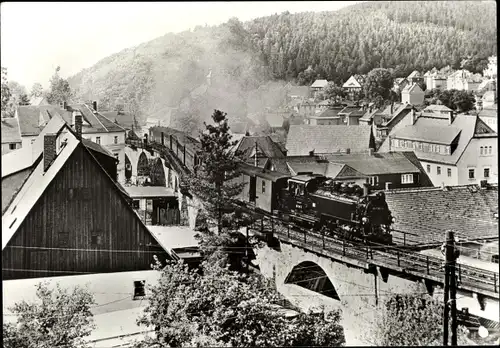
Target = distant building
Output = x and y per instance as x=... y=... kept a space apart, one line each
x=329 y=116
x=328 y=139
x=256 y=150
x=61 y=195
x=489 y=115
x=351 y=114
x=354 y=86
x=307 y=108
x=399 y=84
x=415 y=77
x=454 y=150
x=434 y=80
x=11 y=136
x=464 y=80
x=492 y=70
x=318 y=86
x=412 y=94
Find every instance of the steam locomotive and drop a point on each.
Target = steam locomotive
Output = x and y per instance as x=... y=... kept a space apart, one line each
x=344 y=210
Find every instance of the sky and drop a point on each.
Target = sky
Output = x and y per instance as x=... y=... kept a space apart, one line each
x=37 y=37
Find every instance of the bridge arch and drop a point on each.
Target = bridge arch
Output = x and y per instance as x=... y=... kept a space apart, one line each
x=157 y=174
x=311 y=276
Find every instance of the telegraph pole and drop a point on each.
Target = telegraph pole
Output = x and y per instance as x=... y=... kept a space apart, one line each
x=450 y=289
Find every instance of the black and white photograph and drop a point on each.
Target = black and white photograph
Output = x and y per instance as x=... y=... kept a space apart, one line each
x=249 y=174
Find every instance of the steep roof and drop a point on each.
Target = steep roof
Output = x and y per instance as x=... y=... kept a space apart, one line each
x=10 y=130
x=376 y=164
x=302 y=139
x=467 y=210
x=265 y=145
x=414 y=74
x=37 y=182
x=319 y=84
x=430 y=129
x=436 y=108
x=352 y=82
x=36 y=101
x=124 y=119
x=413 y=88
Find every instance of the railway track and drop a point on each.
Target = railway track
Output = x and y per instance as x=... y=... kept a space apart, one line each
x=381 y=255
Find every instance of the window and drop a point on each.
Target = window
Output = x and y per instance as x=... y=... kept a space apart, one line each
x=263 y=186
x=116 y=156
x=135 y=204
x=115 y=140
x=428 y=168
x=95 y=240
x=407 y=178
x=63 y=239
x=139 y=289
x=12 y=146
x=449 y=172
x=374 y=180
x=481 y=151
x=486 y=172
x=438 y=170
x=33 y=140
x=490 y=150
x=471 y=173
x=98 y=140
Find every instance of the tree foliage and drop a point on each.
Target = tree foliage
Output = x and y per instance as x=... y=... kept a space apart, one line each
x=59 y=318
x=333 y=92
x=411 y=320
x=460 y=101
x=36 y=90
x=223 y=308
x=6 y=94
x=378 y=84
x=215 y=183
x=60 y=90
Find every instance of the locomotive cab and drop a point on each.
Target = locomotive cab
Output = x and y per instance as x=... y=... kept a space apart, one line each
x=299 y=188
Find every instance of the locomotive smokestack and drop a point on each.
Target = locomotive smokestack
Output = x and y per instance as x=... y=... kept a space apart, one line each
x=366 y=189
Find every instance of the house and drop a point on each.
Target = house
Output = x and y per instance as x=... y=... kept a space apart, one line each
x=96 y=127
x=255 y=150
x=381 y=171
x=329 y=116
x=415 y=77
x=122 y=118
x=412 y=94
x=11 y=136
x=464 y=80
x=64 y=214
x=437 y=110
x=390 y=117
x=354 y=86
x=155 y=205
x=318 y=86
x=328 y=139
x=454 y=150
x=487 y=86
x=469 y=210
x=492 y=69
x=39 y=101
x=351 y=114
x=276 y=117
x=489 y=115
x=435 y=80
x=307 y=108
x=399 y=84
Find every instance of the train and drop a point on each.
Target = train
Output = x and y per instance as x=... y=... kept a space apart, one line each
x=339 y=209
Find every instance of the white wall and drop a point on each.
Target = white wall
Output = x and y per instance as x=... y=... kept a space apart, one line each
x=6 y=147
x=472 y=158
x=438 y=180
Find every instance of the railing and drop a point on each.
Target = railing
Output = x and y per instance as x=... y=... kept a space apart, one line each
x=381 y=255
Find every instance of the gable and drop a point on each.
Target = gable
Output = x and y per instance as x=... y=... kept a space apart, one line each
x=349 y=172
x=351 y=83
x=482 y=128
x=11 y=185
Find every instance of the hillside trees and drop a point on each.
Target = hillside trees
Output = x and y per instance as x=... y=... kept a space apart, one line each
x=222 y=308
x=59 y=318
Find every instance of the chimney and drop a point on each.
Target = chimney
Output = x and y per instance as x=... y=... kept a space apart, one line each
x=94 y=105
x=413 y=117
x=49 y=150
x=371 y=151
x=163 y=138
x=366 y=189
x=392 y=107
x=65 y=105
x=145 y=139
x=78 y=125
x=450 y=117
x=387 y=186
x=311 y=153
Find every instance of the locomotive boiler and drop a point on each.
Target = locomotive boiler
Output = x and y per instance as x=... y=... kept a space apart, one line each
x=344 y=210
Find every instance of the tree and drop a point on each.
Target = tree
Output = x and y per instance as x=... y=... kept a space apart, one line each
x=36 y=90
x=60 y=91
x=6 y=94
x=333 y=92
x=229 y=309
x=415 y=319
x=58 y=319
x=378 y=84
x=24 y=100
x=463 y=101
x=215 y=183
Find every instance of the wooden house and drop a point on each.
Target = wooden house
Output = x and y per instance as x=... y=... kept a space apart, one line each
x=64 y=214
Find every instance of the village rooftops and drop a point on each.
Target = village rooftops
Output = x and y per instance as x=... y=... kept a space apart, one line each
x=434 y=108
x=319 y=84
x=414 y=87
x=414 y=74
x=324 y=139
x=10 y=130
x=468 y=210
x=266 y=147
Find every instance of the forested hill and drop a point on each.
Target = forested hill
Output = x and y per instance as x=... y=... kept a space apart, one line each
x=171 y=71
